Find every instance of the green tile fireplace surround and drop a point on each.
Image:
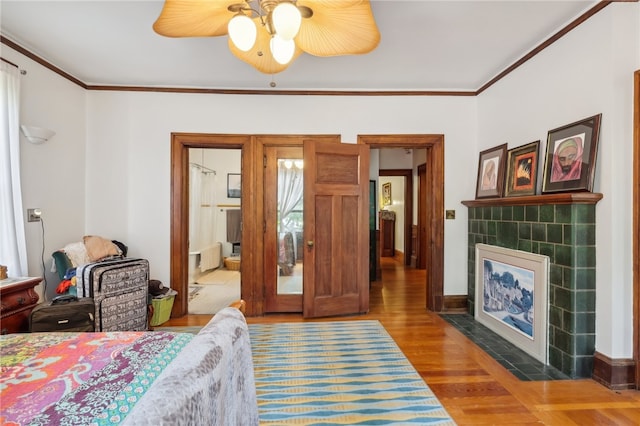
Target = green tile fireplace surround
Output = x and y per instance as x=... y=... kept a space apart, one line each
x=563 y=227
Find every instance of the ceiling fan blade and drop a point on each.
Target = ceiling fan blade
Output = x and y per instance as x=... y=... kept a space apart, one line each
x=338 y=27
x=259 y=56
x=193 y=18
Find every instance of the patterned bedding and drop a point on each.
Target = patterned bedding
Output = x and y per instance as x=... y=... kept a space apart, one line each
x=124 y=377
x=72 y=378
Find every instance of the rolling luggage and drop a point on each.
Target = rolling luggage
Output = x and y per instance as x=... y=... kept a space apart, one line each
x=119 y=289
x=63 y=313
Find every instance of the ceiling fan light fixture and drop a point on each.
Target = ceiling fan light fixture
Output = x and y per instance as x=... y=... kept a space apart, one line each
x=286 y=19
x=282 y=50
x=242 y=31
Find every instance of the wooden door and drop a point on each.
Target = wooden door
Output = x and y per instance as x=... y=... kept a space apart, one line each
x=336 y=229
x=276 y=299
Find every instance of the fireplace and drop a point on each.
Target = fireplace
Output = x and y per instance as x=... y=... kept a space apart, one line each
x=562 y=227
x=511 y=296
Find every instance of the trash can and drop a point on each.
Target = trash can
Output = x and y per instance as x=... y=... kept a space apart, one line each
x=161 y=309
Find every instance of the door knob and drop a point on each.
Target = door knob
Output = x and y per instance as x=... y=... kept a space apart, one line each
x=310 y=244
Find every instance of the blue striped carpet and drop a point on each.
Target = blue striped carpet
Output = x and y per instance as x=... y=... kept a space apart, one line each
x=338 y=373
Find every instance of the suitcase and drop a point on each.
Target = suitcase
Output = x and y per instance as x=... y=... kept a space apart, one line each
x=119 y=288
x=63 y=313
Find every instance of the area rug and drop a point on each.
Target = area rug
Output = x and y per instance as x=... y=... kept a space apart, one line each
x=212 y=298
x=338 y=373
x=194 y=290
x=219 y=276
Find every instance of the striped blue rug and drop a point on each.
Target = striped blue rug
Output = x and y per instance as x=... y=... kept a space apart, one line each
x=338 y=373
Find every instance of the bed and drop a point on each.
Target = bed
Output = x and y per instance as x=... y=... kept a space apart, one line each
x=130 y=378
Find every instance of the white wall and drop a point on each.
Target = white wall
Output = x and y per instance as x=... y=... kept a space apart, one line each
x=107 y=170
x=587 y=72
x=52 y=174
x=152 y=117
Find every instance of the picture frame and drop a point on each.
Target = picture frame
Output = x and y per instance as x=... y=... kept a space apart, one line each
x=491 y=170
x=570 y=158
x=234 y=185
x=511 y=297
x=386 y=194
x=522 y=170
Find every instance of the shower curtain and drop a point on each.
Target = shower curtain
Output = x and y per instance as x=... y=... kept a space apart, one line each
x=201 y=211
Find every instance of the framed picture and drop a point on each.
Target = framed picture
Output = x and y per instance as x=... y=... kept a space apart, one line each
x=491 y=172
x=511 y=296
x=522 y=170
x=386 y=194
x=234 y=185
x=571 y=156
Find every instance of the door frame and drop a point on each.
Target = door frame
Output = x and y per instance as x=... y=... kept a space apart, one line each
x=636 y=227
x=408 y=206
x=179 y=221
x=434 y=145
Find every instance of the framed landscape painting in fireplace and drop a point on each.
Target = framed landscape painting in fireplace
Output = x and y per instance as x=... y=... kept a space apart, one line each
x=511 y=296
x=571 y=156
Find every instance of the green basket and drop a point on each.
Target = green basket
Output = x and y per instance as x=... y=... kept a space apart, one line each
x=161 y=310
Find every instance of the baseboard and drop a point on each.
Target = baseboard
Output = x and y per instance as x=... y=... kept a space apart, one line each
x=455 y=303
x=615 y=374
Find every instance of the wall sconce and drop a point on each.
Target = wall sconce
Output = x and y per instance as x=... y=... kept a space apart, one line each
x=36 y=135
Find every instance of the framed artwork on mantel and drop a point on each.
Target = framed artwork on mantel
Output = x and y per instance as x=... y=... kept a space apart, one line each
x=522 y=170
x=571 y=156
x=491 y=168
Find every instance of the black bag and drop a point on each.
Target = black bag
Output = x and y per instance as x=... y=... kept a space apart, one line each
x=63 y=313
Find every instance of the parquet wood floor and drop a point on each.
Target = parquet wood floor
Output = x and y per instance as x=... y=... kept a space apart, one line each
x=473 y=387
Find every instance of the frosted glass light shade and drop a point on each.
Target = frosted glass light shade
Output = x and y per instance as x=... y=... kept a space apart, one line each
x=286 y=20
x=242 y=31
x=282 y=50
x=36 y=135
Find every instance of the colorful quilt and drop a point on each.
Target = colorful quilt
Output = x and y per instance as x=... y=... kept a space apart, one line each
x=80 y=378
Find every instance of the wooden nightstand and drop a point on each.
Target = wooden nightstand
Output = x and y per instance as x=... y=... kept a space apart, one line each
x=17 y=299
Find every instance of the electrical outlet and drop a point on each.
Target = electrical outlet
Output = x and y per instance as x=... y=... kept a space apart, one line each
x=33 y=215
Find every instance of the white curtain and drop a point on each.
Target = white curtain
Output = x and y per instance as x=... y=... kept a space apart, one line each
x=195 y=200
x=207 y=209
x=201 y=209
x=290 y=190
x=13 y=244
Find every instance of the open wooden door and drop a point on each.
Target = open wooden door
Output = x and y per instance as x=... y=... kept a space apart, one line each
x=336 y=229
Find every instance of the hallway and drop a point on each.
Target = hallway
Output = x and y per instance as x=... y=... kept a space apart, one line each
x=474 y=388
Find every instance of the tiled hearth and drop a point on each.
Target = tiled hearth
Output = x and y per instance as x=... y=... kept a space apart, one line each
x=561 y=226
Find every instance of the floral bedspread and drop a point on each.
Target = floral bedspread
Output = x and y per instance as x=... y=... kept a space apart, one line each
x=80 y=378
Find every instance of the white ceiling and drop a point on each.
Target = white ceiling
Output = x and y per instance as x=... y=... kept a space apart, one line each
x=425 y=45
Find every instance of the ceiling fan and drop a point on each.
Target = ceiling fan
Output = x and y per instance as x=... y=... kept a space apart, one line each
x=270 y=34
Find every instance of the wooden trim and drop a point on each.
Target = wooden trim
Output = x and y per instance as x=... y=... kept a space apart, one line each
x=179 y=224
x=582 y=18
x=557 y=36
x=615 y=374
x=456 y=303
x=41 y=61
x=536 y=200
x=636 y=226
x=434 y=145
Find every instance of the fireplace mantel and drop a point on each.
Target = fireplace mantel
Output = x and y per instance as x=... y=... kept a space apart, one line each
x=536 y=200
x=563 y=227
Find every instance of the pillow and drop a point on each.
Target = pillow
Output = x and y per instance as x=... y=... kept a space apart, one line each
x=99 y=248
x=77 y=253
